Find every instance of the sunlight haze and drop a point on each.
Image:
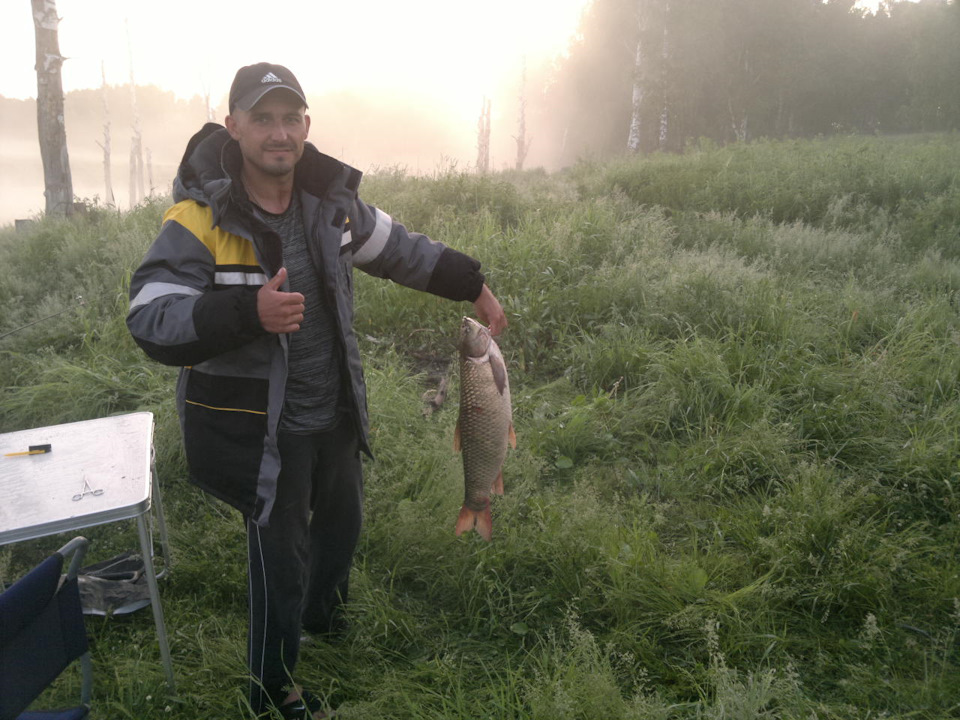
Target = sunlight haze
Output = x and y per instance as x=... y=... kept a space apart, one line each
x=455 y=52
x=420 y=58
x=390 y=84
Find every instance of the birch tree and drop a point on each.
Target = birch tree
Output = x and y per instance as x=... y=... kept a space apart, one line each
x=636 y=117
x=58 y=183
x=664 y=77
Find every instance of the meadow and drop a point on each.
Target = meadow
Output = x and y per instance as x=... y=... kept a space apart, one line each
x=736 y=489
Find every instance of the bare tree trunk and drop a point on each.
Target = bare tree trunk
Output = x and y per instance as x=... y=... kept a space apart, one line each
x=150 y=173
x=740 y=115
x=58 y=183
x=523 y=145
x=483 y=138
x=738 y=122
x=136 y=143
x=634 y=138
x=132 y=190
x=108 y=198
x=211 y=116
x=664 y=60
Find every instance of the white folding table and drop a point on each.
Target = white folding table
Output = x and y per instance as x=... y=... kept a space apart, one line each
x=95 y=472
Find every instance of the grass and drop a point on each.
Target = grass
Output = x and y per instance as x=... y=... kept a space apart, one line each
x=735 y=377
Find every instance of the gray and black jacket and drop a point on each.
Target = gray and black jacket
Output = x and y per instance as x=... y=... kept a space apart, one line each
x=193 y=303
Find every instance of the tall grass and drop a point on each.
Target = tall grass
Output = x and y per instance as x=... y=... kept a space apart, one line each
x=735 y=377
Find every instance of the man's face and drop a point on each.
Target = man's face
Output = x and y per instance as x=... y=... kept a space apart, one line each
x=271 y=134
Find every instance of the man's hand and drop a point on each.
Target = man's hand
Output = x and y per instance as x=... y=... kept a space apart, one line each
x=280 y=312
x=489 y=312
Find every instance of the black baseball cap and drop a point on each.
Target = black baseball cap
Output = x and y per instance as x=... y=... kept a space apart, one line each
x=254 y=81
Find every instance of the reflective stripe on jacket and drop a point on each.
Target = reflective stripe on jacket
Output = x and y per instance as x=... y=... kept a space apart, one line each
x=193 y=303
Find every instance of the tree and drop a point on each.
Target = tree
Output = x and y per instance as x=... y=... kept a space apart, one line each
x=664 y=78
x=523 y=143
x=483 y=138
x=105 y=145
x=136 y=142
x=930 y=62
x=636 y=104
x=589 y=103
x=58 y=183
x=658 y=73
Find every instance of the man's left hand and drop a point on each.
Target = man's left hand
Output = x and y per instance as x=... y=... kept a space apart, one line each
x=489 y=312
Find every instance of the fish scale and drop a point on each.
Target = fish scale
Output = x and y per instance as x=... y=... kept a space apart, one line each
x=484 y=425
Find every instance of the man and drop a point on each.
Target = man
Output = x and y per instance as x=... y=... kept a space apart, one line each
x=248 y=288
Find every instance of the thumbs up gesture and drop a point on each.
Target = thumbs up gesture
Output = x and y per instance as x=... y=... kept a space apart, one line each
x=279 y=311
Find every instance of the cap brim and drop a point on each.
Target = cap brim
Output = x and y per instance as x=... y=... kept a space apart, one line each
x=250 y=99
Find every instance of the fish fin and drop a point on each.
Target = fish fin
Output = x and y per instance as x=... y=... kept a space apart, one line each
x=479 y=520
x=499 y=372
x=466 y=521
x=485 y=524
x=512 y=437
x=497 y=487
x=456 y=437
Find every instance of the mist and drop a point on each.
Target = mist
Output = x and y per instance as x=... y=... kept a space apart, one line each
x=724 y=71
x=389 y=84
x=417 y=134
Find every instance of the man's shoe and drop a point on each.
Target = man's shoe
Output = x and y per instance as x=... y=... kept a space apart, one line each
x=306 y=706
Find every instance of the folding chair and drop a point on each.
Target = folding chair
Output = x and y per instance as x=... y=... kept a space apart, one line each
x=41 y=634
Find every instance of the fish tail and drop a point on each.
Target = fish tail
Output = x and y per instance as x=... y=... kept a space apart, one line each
x=479 y=520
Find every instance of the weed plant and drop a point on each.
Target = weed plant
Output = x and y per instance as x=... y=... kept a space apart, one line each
x=736 y=491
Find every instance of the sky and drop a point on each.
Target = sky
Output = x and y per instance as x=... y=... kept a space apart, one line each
x=455 y=50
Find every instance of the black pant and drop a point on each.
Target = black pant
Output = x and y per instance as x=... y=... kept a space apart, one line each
x=299 y=566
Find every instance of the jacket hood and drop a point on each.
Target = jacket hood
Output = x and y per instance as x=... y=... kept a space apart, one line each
x=210 y=169
x=202 y=175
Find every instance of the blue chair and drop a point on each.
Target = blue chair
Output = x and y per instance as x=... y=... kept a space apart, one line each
x=41 y=634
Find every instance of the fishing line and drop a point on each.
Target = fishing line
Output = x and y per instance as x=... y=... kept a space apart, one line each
x=80 y=303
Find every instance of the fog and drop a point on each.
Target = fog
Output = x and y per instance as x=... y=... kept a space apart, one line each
x=401 y=85
x=389 y=84
x=399 y=130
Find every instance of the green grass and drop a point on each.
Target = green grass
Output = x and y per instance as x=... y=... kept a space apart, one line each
x=736 y=491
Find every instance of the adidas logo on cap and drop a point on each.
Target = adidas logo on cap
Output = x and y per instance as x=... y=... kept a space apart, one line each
x=254 y=81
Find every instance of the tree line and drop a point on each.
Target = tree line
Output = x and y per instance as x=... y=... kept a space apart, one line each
x=657 y=74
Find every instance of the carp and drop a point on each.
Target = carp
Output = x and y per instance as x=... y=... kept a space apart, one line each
x=484 y=425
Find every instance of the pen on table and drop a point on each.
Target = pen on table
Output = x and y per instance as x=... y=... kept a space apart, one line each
x=32 y=450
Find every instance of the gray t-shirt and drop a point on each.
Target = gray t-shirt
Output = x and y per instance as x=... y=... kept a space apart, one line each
x=313 y=380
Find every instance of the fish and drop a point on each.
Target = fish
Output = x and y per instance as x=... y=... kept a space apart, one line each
x=484 y=425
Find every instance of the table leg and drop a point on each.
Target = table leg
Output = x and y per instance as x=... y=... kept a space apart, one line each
x=161 y=520
x=145 y=546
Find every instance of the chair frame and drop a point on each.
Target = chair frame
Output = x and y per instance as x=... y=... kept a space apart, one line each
x=77 y=547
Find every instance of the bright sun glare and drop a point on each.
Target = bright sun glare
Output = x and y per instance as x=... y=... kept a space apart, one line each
x=450 y=51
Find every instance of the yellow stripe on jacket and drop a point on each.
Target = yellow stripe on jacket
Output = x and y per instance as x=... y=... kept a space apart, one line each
x=224 y=409
x=226 y=248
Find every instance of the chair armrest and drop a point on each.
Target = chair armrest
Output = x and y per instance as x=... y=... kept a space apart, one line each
x=78 y=546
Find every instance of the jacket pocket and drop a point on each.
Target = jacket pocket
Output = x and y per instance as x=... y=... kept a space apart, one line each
x=225 y=424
